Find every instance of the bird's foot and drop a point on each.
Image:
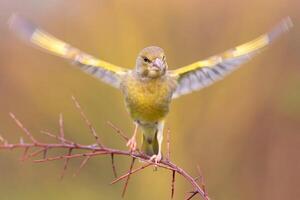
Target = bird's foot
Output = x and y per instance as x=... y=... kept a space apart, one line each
x=132 y=144
x=156 y=158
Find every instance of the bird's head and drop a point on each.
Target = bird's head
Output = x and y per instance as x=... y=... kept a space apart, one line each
x=151 y=62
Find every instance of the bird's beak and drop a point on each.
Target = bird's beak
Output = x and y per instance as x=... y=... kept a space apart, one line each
x=158 y=63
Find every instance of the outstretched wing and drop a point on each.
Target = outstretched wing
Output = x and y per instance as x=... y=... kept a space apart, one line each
x=100 y=69
x=203 y=73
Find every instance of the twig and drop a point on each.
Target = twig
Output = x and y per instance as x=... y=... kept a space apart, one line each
x=89 y=124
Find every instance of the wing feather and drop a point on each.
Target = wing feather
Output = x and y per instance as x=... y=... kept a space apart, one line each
x=203 y=73
x=107 y=72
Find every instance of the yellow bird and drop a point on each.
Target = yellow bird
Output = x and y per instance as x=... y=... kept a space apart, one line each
x=150 y=87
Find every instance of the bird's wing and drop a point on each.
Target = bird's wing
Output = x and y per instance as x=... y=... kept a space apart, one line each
x=203 y=73
x=100 y=69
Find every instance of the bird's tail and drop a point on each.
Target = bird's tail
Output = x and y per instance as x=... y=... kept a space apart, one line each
x=150 y=142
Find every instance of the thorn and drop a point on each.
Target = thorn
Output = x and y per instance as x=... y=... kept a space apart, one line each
x=45 y=153
x=21 y=140
x=128 y=177
x=192 y=195
x=173 y=184
x=201 y=180
x=37 y=152
x=83 y=163
x=20 y=125
x=2 y=139
x=113 y=165
x=88 y=123
x=66 y=164
x=132 y=172
x=62 y=140
x=24 y=155
x=117 y=130
x=61 y=127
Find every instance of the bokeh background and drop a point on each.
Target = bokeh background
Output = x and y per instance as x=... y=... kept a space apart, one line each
x=244 y=131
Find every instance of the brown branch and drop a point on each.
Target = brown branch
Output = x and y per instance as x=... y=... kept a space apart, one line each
x=94 y=150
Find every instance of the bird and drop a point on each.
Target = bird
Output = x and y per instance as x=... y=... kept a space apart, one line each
x=149 y=87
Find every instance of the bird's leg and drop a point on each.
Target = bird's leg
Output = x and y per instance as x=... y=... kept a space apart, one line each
x=157 y=158
x=132 y=141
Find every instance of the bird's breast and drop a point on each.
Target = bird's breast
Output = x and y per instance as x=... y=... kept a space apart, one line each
x=149 y=100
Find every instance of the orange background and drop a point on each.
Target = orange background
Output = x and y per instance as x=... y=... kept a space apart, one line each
x=244 y=131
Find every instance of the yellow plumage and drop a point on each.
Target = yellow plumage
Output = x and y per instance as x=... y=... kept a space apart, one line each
x=147 y=101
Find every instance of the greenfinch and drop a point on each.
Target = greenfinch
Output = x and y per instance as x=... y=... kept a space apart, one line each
x=150 y=86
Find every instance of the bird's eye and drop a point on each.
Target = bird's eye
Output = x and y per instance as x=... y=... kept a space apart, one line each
x=147 y=60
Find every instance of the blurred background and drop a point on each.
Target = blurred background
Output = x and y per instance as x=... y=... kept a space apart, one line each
x=244 y=131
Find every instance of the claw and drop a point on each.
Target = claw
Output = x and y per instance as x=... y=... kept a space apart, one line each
x=132 y=144
x=156 y=158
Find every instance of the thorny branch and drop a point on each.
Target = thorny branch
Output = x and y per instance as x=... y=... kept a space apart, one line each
x=98 y=149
